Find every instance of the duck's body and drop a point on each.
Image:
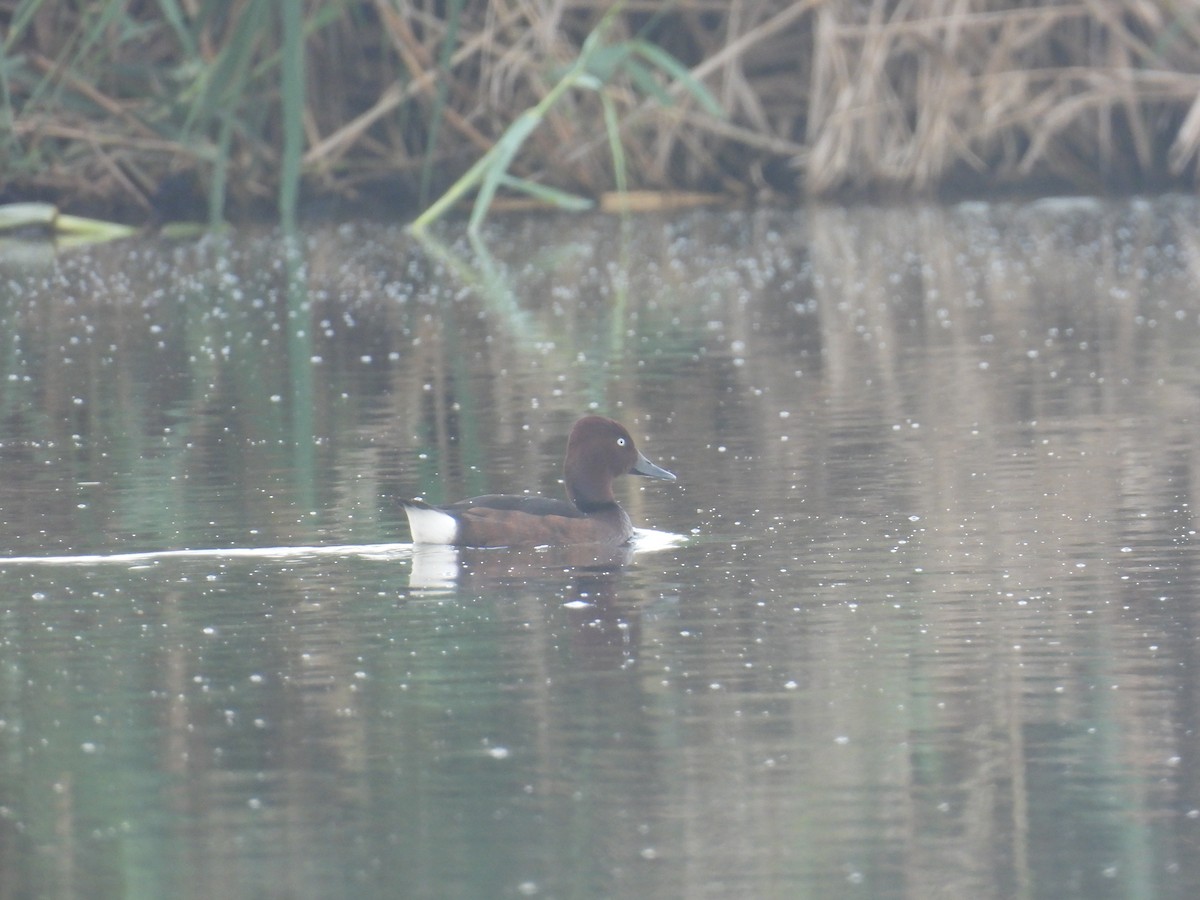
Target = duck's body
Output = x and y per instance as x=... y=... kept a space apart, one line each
x=598 y=451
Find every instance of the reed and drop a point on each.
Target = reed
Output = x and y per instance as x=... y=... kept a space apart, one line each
x=242 y=103
x=593 y=69
x=1085 y=94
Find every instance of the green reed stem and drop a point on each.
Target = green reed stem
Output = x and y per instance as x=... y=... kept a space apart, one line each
x=292 y=74
x=491 y=168
x=446 y=52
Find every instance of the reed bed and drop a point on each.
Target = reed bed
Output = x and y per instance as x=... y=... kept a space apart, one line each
x=232 y=106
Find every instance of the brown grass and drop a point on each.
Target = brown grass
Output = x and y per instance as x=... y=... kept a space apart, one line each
x=821 y=98
x=1089 y=93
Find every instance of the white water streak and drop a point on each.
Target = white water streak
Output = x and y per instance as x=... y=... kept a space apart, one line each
x=366 y=551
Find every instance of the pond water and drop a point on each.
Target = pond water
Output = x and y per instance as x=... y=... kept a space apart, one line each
x=930 y=628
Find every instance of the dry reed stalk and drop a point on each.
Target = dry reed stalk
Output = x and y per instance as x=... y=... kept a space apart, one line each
x=349 y=136
x=1066 y=91
x=419 y=61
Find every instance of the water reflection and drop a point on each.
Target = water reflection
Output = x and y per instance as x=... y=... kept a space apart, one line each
x=931 y=633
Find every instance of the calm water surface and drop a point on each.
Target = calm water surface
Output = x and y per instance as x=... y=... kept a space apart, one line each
x=933 y=631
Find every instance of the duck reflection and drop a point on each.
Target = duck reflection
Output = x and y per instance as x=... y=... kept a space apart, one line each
x=443 y=567
x=583 y=584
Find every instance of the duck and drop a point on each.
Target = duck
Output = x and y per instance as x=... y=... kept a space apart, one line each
x=598 y=450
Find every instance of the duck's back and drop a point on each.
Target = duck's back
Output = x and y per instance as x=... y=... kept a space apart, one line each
x=534 y=506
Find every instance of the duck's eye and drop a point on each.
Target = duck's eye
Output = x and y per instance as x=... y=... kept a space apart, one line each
x=620 y=442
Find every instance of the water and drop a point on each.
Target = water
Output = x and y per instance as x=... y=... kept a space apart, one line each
x=931 y=631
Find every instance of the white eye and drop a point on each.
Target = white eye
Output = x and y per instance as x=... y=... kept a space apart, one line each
x=620 y=442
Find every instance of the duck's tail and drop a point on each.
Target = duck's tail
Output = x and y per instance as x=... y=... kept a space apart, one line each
x=430 y=525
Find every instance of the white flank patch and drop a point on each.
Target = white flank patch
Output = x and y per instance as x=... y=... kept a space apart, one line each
x=431 y=526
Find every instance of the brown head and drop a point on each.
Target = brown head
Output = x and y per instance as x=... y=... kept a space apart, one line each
x=598 y=451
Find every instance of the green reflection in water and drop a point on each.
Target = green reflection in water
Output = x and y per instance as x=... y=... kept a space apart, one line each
x=300 y=369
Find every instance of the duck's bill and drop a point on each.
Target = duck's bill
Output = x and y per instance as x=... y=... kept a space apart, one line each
x=644 y=467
